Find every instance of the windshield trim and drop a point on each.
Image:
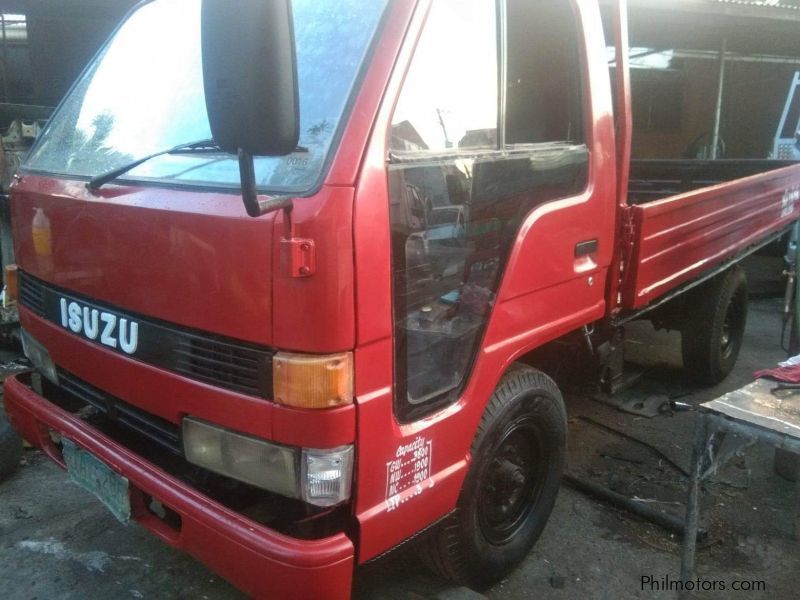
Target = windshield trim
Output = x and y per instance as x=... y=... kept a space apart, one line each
x=304 y=192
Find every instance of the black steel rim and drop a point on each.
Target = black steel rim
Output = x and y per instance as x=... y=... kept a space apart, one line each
x=730 y=329
x=514 y=480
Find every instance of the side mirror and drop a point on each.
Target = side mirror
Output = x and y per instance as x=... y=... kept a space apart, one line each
x=250 y=81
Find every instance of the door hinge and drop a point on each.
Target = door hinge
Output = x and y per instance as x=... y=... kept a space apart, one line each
x=300 y=256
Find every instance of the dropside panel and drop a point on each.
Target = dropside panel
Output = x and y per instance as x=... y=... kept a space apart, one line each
x=678 y=239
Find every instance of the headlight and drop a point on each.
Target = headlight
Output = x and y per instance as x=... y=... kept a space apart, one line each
x=39 y=356
x=319 y=477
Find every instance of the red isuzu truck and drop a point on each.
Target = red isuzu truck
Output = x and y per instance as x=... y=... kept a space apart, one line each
x=288 y=274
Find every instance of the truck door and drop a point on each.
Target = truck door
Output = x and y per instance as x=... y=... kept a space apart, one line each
x=500 y=190
x=480 y=178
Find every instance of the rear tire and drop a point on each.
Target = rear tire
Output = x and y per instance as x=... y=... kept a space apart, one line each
x=712 y=335
x=787 y=464
x=511 y=486
x=10 y=449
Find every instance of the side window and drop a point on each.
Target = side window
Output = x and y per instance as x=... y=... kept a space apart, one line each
x=458 y=194
x=543 y=93
x=449 y=99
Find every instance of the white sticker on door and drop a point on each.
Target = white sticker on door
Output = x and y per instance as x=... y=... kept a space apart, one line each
x=408 y=474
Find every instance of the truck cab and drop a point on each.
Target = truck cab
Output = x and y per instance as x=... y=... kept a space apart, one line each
x=292 y=386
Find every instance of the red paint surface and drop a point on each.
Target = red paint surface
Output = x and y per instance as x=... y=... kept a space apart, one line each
x=195 y=259
x=175 y=255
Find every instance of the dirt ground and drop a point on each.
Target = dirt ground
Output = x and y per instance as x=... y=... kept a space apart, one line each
x=58 y=542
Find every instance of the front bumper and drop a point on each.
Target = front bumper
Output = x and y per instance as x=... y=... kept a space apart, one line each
x=260 y=562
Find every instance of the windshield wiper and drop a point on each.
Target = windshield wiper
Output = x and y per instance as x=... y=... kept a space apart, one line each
x=201 y=146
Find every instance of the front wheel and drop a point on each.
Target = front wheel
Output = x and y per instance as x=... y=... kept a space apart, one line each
x=509 y=492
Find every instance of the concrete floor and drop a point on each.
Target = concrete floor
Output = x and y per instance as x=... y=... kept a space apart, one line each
x=58 y=542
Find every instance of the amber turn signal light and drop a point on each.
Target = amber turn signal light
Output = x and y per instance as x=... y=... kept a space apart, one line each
x=308 y=381
x=12 y=283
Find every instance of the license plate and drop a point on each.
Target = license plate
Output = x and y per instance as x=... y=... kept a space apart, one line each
x=96 y=477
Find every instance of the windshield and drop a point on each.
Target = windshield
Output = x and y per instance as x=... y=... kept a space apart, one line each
x=144 y=94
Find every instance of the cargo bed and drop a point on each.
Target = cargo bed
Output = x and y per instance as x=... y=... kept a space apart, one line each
x=655 y=179
x=688 y=218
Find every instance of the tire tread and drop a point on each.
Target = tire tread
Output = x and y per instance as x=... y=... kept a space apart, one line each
x=701 y=327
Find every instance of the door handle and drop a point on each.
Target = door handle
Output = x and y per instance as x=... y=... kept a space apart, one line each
x=585 y=248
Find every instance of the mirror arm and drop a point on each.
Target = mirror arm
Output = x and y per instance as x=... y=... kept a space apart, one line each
x=254 y=206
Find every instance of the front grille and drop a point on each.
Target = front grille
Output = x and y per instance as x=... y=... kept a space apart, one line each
x=222 y=362
x=31 y=294
x=154 y=428
x=219 y=363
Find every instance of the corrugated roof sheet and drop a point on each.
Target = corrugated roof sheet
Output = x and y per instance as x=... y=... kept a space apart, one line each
x=779 y=4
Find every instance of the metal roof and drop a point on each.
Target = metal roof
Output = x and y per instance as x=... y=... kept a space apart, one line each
x=779 y=4
x=768 y=6
x=775 y=11
x=751 y=27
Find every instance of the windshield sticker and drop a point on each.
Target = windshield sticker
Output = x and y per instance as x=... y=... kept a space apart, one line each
x=408 y=474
